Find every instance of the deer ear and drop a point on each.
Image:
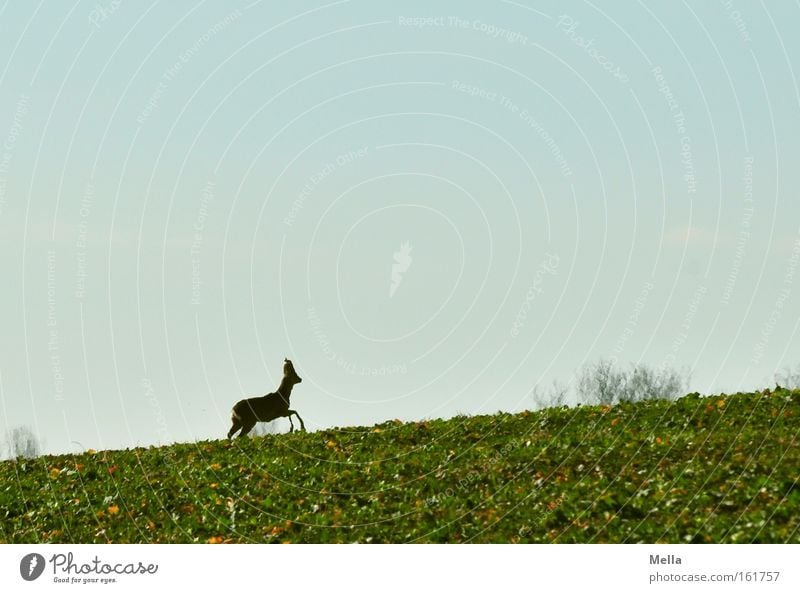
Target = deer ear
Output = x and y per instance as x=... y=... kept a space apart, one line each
x=285 y=360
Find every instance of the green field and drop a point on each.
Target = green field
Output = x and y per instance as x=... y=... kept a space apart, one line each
x=699 y=469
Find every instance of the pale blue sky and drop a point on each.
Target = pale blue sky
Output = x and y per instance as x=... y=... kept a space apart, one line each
x=189 y=193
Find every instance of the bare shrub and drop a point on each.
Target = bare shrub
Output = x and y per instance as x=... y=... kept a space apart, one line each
x=555 y=397
x=21 y=442
x=265 y=428
x=600 y=383
x=603 y=383
x=643 y=383
x=788 y=378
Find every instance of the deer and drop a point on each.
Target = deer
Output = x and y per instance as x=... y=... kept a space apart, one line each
x=247 y=412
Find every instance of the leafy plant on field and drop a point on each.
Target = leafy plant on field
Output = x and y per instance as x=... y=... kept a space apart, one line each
x=695 y=469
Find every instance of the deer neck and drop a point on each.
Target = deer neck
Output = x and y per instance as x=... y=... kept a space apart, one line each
x=285 y=389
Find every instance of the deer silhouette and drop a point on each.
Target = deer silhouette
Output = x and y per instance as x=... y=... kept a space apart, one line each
x=247 y=412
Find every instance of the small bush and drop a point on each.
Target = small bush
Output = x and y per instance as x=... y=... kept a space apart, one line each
x=555 y=397
x=21 y=442
x=603 y=383
x=789 y=378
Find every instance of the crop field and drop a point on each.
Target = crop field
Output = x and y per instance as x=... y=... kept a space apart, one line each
x=699 y=469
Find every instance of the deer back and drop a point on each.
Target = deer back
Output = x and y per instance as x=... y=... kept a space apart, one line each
x=263 y=409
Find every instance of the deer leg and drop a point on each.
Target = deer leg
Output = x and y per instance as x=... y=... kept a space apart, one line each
x=302 y=424
x=236 y=426
x=248 y=426
x=291 y=424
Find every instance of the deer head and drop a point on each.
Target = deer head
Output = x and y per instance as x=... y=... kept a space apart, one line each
x=289 y=372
